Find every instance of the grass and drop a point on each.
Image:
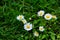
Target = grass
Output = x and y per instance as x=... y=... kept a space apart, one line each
x=12 y=29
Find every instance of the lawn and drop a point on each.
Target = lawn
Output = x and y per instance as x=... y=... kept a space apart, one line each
x=12 y=28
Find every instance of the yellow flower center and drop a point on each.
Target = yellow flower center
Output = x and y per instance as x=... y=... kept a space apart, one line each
x=47 y=16
x=28 y=26
x=40 y=13
x=20 y=16
x=36 y=33
x=41 y=28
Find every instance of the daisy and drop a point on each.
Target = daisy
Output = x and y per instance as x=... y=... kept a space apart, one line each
x=48 y=16
x=20 y=17
x=28 y=26
x=41 y=13
x=41 y=28
x=36 y=34
x=53 y=16
x=24 y=21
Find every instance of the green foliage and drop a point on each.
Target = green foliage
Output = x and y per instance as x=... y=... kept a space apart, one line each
x=12 y=29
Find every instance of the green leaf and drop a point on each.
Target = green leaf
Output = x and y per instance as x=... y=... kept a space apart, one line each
x=35 y=21
x=58 y=36
x=43 y=36
x=52 y=35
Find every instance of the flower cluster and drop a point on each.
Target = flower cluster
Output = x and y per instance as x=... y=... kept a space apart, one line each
x=28 y=26
x=47 y=16
x=41 y=28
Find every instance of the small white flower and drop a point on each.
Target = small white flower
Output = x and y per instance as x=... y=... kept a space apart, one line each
x=41 y=13
x=29 y=18
x=36 y=34
x=24 y=21
x=53 y=16
x=20 y=17
x=48 y=16
x=28 y=26
x=41 y=28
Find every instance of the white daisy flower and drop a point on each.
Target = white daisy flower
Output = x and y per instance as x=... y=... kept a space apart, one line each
x=36 y=34
x=24 y=21
x=28 y=26
x=53 y=16
x=48 y=16
x=41 y=28
x=41 y=13
x=20 y=17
